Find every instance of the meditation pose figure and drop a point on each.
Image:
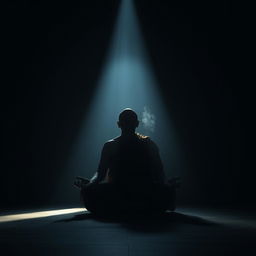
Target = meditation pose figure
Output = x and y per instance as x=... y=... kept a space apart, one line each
x=130 y=177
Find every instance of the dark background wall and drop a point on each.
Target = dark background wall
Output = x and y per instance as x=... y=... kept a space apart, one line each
x=53 y=54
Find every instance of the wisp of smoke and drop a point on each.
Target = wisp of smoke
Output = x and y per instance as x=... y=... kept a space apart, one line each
x=148 y=120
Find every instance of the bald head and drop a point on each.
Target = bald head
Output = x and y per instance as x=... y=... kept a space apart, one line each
x=128 y=120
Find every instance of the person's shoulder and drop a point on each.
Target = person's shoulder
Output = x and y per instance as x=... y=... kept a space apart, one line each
x=109 y=146
x=145 y=138
x=111 y=142
x=148 y=141
x=142 y=137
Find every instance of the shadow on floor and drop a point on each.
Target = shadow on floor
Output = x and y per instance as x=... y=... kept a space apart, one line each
x=146 y=223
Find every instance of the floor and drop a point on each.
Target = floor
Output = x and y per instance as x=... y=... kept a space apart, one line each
x=76 y=232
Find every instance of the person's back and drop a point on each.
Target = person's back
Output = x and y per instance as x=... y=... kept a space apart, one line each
x=134 y=160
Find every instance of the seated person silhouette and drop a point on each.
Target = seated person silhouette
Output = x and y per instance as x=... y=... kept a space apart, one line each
x=130 y=177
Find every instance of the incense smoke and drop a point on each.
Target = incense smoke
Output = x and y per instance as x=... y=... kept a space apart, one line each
x=148 y=120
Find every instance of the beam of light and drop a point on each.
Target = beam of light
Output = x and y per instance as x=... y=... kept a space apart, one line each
x=38 y=214
x=127 y=80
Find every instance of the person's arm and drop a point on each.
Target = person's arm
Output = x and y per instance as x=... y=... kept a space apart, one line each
x=100 y=175
x=157 y=165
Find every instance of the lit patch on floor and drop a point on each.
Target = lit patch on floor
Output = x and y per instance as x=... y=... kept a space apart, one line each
x=38 y=214
x=235 y=220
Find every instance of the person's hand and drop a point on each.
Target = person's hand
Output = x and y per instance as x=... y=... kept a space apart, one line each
x=81 y=182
